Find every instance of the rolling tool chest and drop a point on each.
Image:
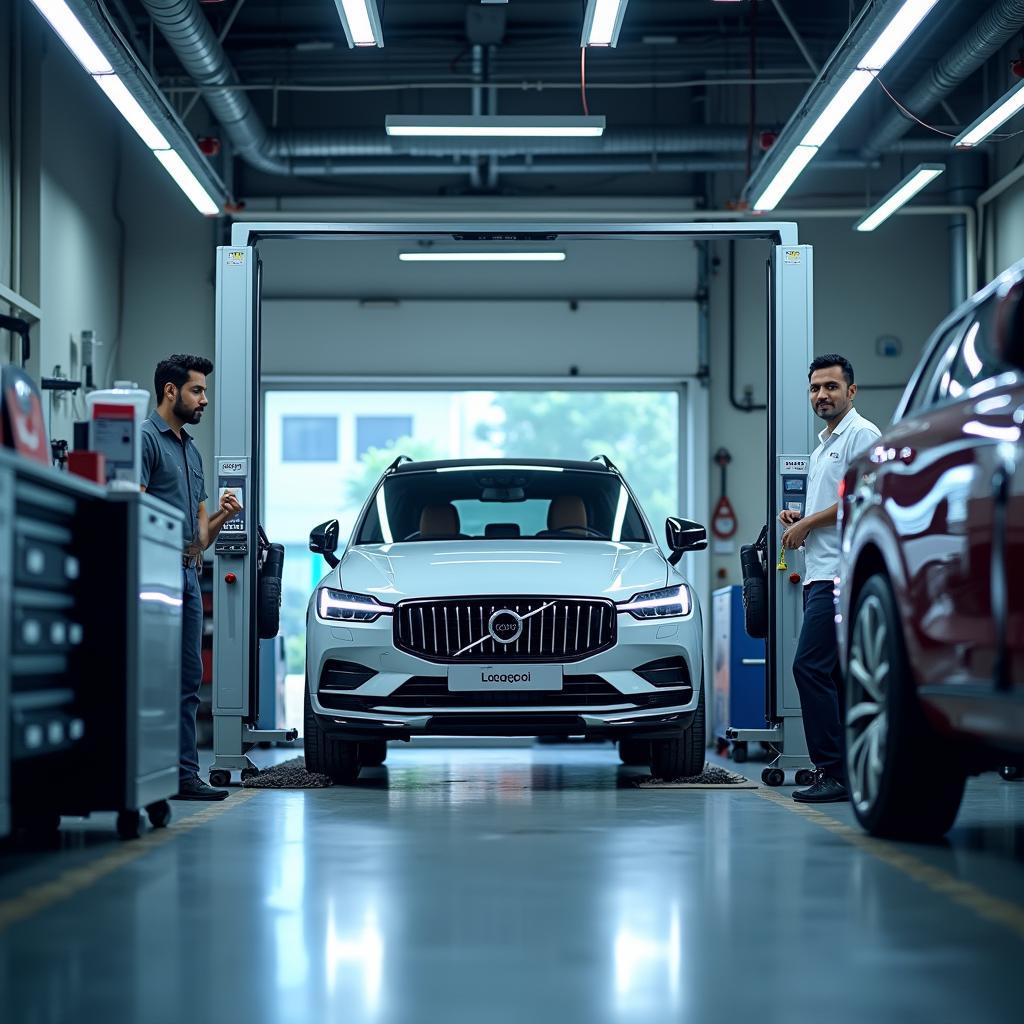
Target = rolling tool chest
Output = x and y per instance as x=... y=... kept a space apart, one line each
x=90 y=647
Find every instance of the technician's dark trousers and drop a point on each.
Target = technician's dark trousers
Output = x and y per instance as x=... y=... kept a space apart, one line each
x=191 y=672
x=816 y=670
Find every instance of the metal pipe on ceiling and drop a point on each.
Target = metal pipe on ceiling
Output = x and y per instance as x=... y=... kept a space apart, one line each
x=990 y=33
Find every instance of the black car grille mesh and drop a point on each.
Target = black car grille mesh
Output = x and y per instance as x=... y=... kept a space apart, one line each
x=555 y=629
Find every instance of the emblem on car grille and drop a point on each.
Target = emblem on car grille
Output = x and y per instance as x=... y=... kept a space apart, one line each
x=505 y=626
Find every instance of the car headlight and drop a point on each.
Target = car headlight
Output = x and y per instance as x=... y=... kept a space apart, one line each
x=659 y=604
x=340 y=604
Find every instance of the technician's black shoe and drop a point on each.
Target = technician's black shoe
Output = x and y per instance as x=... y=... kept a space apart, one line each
x=825 y=791
x=196 y=789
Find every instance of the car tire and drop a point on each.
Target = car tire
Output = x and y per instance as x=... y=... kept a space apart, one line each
x=904 y=781
x=326 y=754
x=373 y=753
x=684 y=755
x=635 y=753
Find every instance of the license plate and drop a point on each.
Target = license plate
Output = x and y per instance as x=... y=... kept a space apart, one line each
x=468 y=678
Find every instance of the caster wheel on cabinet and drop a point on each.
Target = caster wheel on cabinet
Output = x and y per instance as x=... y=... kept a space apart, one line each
x=249 y=773
x=739 y=753
x=219 y=777
x=129 y=824
x=804 y=777
x=159 y=814
x=773 y=776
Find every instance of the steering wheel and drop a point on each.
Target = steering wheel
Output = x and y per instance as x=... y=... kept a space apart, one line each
x=588 y=530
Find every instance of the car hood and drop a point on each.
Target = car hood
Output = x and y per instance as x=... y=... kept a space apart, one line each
x=392 y=572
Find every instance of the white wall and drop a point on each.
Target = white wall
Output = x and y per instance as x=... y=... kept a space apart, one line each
x=79 y=238
x=892 y=282
x=169 y=280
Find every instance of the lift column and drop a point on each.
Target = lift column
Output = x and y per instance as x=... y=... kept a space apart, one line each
x=237 y=419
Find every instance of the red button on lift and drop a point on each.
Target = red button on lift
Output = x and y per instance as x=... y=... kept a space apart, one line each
x=794 y=577
x=230 y=577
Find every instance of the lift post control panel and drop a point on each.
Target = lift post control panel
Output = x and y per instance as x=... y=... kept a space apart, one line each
x=793 y=480
x=233 y=475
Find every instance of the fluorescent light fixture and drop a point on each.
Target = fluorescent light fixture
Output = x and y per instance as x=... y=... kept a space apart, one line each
x=494 y=126
x=997 y=115
x=896 y=32
x=602 y=22
x=118 y=94
x=785 y=176
x=77 y=40
x=482 y=257
x=187 y=181
x=916 y=180
x=839 y=106
x=361 y=22
x=89 y=55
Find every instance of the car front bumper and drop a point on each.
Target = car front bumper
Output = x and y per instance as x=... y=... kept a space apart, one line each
x=634 y=707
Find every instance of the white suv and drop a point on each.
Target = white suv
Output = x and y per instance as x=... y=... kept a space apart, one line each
x=504 y=598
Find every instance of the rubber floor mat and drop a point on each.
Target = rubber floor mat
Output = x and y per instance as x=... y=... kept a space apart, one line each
x=712 y=777
x=288 y=775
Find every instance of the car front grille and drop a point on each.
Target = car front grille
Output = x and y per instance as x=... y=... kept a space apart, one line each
x=560 y=629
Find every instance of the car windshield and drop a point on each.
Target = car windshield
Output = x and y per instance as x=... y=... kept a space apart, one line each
x=502 y=503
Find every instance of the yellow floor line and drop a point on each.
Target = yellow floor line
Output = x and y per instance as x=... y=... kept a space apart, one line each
x=75 y=880
x=964 y=894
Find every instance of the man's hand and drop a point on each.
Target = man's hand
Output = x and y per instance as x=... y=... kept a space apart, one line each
x=229 y=505
x=795 y=536
x=788 y=517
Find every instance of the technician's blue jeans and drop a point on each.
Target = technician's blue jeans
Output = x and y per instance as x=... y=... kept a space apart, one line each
x=817 y=675
x=191 y=672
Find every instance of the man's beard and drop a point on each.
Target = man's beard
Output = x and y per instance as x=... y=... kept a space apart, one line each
x=184 y=415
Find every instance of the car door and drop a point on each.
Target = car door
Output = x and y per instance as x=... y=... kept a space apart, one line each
x=971 y=429
x=912 y=469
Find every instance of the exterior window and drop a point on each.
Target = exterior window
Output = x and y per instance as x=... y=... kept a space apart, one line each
x=926 y=393
x=309 y=438
x=380 y=432
x=975 y=361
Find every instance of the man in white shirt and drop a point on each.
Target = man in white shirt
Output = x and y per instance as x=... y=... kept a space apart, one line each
x=816 y=663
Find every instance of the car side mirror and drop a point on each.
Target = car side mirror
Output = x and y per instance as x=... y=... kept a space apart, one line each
x=323 y=539
x=684 y=535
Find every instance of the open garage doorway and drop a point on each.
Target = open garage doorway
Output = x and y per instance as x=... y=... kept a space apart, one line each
x=324 y=448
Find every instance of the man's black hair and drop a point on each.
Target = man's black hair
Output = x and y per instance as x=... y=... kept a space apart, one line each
x=826 y=362
x=175 y=370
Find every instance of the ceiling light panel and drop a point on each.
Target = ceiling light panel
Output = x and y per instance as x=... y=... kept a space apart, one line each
x=602 y=22
x=361 y=22
x=896 y=32
x=494 y=126
x=995 y=117
x=482 y=257
x=909 y=187
x=77 y=40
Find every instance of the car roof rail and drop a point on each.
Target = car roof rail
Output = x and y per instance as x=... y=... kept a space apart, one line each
x=394 y=465
x=608 y=464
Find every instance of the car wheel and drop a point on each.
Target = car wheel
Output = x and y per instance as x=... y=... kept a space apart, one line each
x=683 y=756
x=373 y=753
x=326 y=754
x=635 y=753
x=904 y=782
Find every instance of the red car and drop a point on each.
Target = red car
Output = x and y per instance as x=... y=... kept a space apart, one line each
x=930 y=597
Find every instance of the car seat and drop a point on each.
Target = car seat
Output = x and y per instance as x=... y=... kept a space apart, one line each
x=440 y=521
x=567 y=513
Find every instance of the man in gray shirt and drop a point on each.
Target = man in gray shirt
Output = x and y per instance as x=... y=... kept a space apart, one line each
x=172 y=469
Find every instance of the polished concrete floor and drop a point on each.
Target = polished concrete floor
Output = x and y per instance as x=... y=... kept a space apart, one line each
x=516 y=885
